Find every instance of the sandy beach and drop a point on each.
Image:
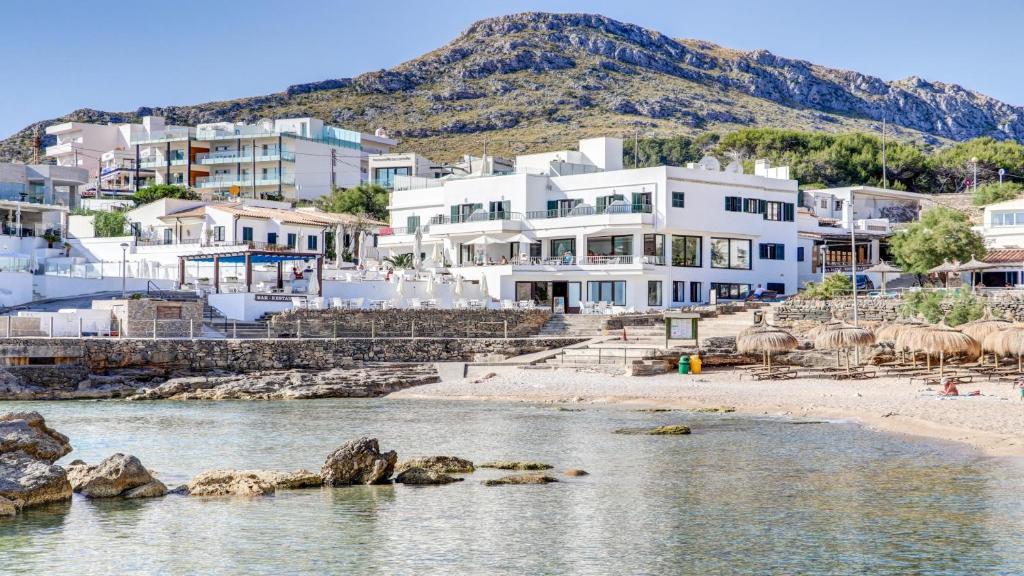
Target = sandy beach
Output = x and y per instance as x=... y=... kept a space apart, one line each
x=992 y=422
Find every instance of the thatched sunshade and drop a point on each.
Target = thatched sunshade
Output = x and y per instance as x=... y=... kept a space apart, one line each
x=889 y=331
x=821 y=328
x=941 y=341
x=982 y=327
x=883 y=268
x=765 y=339
x=844 y=338
x=946 y=268
x=973 y=265
x=1009 y=342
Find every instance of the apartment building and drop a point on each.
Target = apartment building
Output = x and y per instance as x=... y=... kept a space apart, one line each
x=574 y=227
x=1002 y=226
x=826 y=216
x=290 y=159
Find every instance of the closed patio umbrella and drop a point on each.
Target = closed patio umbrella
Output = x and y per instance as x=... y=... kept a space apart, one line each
x=339 y=244
x=458 y=286
x=417 y=248
x=483 y=289
x=400 y=289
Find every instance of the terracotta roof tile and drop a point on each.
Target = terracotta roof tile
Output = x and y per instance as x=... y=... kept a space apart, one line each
x=1004 y=256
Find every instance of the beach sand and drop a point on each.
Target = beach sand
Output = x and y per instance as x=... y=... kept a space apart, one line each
x=992 y=423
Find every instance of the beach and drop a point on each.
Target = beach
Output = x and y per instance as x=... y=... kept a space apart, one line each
x=992 y=423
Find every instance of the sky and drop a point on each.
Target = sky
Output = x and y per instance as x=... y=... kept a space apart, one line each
x=60 y=55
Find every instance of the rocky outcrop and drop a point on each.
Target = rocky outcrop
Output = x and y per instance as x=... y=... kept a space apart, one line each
x=8 y=507
x=228 y=483
x=422 y=476
x=442 y=464
x=516 y=465
x=118 y=475
x=358 y=462
x=576 y=472
x=520 y=479
x=27 y=481
x=667 y=430
x=27 y=432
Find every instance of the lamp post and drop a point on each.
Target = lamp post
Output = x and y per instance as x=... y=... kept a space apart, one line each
x=974 y=185
x=124 y=268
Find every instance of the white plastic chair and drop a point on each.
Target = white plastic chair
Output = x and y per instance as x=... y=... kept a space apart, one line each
x=356 y=303
x=338 y=303
x=507 y=305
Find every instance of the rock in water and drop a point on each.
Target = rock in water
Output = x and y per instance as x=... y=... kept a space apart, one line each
x=669 y=430
x=576 y=472
x=229 y=483
x=520 y=479
x=112 y=477
x=292 y=480
x=442 y=464
x=516 y=465
x=28 y=432
x=422 y=476
x=28 y=482
x=358 y=462
x=153 y=489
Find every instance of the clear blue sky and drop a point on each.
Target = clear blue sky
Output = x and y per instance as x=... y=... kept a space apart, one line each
x=60 y=55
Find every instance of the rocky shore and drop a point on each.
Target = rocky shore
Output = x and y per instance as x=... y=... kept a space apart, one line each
x=362 y=381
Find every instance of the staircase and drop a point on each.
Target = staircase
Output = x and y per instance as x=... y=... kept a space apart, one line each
x=573 y=325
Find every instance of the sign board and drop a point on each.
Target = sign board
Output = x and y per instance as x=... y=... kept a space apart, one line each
x=681 y=326
x=277 y=297
x=234 y=190
x=168 y=312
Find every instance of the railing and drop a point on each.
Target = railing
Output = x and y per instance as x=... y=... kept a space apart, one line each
x=168 y=134
x=233 y=157
x=590 y=211
x=479 y=216
x=157 y=162
x=244 y=180
x=399 y=231
x=610 y=260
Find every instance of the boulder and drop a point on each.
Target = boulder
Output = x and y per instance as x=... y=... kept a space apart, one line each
x=112 y=477
x=442 y=464
x=290 y=480
x=152 y=489
x=576 y=472
x=422 y=476
x=668 y=430
x=27 y=432
x=358 y=462
x=8 y=507
x=27 y=481
x=229 y=483
x=516 y=465
x=520 y=479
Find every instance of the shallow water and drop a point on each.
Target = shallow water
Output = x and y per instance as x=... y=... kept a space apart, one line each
x=738 y=496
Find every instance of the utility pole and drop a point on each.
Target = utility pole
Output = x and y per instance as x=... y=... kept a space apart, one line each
x=483 y=165
x=853 y=259
x=974 y=185
x=885 y=176
x=334 y=162
x=636 y=149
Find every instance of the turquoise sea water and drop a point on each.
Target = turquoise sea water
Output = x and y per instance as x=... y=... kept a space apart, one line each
x=738 y=496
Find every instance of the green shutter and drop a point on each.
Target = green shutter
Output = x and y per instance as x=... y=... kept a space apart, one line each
x=637 y=200
x=455 y=214
x=602 y=203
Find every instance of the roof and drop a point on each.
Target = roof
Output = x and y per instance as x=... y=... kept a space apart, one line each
x=301 y=217
x=870 y=191
x=1005 y=256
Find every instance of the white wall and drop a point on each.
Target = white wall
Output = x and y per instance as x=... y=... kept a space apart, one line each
x=15 y=288
x=62 y=286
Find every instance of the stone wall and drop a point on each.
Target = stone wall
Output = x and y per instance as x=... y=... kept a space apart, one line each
x=401 y=322
x=873 y=310
x=139 y=318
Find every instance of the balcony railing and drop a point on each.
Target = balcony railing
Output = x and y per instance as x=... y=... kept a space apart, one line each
x=229 y=180
x=590 y=211
x=233 y=157
x=479 y=216
x=399 y=231
x=160 y=162
x=622 y=260
x=168 y=134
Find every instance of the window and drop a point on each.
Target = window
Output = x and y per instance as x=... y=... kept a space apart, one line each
x=799 y=253
x=560 y=208
x=641 y=202
x=678 y=291
x=386 y=176
x=561 y=246
x=678 y=200
x=293 y=240
x=824 y=203
x=772 y=251
x=686 y=251
x=218 y=233
x=727 y=291
x=311 y=242
x=773 y=211
x=536 y=291
x=730 y=253
x=695 y=292
x=752 y=205
x=1007 y=218
x=501 y=208
x=613 y=291
x=654 y=248
x=838 y=206
x=654 y=293
x=733 y=204
x=411 y=224
x=168 y=236
x=272 y=238
x=604 y=201
x=609 y=246
x=247 y=233
x=777 y=287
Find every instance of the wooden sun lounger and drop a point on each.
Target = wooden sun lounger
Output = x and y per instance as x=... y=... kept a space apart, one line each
x=936 y=380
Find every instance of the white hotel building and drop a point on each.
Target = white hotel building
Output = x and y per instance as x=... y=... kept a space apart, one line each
x=572 y=227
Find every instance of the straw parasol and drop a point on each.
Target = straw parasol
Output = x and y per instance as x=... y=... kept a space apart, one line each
x=946 y=268
x=883 y=268
x=844 y=338
x=821 y=328
x=765 y=339
x=982 y=327
x=1008 y=342
x=941 y=341
x=889 y=331
x=972 y=266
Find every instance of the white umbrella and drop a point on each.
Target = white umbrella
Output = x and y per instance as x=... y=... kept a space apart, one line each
x=400 y=289
x=431 y=285
x=362 y=247
x=485 y=240
x=435 y=254
x=17 y=220
x=458 y=285
x=417 y=248
x=483 y=289
x=339 y=243
x=523 y=239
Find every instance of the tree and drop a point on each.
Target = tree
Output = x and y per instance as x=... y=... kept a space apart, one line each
x=366 y=198
x=942 y=233
x=158 y=191
x=992 y=193
x=109 y=224
x=400 y=261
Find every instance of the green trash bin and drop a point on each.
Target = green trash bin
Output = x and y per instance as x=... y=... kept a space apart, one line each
x=684 y=364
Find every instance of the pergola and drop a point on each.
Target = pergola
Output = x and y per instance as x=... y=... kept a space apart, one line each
x=250 y=257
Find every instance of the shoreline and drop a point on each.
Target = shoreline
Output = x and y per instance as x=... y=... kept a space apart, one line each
x=991 y=424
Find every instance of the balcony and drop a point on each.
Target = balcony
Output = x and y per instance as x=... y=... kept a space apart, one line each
x=234 y=157
x=167 y=135
x=478 y=222
x=60 y=149
x=152 y=162
x=580 y=263
x=229 y=180
x=402 y=231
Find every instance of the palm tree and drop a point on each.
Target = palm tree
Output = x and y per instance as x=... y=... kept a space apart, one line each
x=400 y=261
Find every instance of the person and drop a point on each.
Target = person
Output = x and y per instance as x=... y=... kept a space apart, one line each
x=1019 y=383
x=758 y=292
x=296 y=273
x=503 y=260
x=949 y=387
x=567 y=257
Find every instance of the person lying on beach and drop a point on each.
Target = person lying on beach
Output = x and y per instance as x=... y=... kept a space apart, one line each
x=949 y=388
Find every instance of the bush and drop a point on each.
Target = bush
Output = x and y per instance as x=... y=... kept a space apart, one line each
x=966 y=308
x=833 y=286
x=109 y=224
x=158 y=191
x=920 y=303
x=992 y=193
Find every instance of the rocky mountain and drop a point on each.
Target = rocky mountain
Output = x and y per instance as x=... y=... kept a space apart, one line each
x=531 y=81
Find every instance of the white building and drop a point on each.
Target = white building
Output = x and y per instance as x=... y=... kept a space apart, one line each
x=1003 y=228
x=575 y=227
x=291 y=158
x=824 y=221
